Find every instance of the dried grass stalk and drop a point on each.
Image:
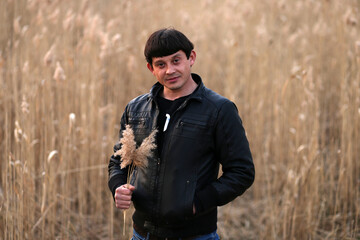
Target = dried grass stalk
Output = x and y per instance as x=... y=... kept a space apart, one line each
x=144 y=151
x=130 y=155
x=127 y=152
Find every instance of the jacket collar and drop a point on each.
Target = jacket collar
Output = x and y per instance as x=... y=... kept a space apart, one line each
x=197 y=94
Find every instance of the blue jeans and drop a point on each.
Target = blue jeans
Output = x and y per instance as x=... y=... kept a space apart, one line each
x=210 y=236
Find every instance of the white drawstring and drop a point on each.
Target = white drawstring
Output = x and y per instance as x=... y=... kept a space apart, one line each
x=166 y=122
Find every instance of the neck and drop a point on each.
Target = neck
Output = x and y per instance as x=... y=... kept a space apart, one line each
x=172 y=94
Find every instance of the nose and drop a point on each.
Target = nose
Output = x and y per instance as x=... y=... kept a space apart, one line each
x=170 y=69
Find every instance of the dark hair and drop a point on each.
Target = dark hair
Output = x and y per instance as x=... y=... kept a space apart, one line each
x=165 y=42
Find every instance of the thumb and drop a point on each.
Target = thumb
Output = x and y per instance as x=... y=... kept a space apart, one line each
x=130 y=187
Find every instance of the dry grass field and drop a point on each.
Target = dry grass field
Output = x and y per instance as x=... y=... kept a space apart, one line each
x=68 y=68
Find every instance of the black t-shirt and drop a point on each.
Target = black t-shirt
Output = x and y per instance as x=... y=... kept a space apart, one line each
x=166 y=107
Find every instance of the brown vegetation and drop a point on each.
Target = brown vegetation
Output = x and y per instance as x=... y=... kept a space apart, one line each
x=67 y=69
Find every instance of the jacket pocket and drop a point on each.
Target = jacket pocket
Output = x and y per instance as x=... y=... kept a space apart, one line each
x=193 y=123
x=140 y=126
x=189 y=198
x=138 y=122
x=177 y=199
x=192 y=128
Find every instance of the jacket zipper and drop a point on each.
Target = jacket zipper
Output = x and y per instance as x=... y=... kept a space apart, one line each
x=164 y=153
x=154 y=220
x=167 y=140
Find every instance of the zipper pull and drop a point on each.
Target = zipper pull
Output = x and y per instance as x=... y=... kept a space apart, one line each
x=166 y=122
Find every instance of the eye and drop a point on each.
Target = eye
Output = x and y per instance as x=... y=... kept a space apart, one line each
x=160 y=65
x=176 y=60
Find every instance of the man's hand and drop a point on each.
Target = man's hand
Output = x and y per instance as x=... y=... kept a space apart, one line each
x=123 y=196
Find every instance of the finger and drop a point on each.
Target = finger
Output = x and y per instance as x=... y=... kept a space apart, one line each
x=126 y=188
x=122 y=191
x=122 y=197
x=123 y=205
x=122 y=202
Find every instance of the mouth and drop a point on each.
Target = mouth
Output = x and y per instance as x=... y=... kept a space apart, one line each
x=172 y=79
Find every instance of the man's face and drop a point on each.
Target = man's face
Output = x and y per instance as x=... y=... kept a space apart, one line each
x=174 y=72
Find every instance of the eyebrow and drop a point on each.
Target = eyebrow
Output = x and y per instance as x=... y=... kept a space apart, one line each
x=176 y=55
x=161 y=61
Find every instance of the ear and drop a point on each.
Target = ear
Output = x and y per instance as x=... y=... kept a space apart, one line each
x=192 y=58
x=149 y=66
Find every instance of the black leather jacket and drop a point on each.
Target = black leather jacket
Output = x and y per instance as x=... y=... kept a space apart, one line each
x=204 y=131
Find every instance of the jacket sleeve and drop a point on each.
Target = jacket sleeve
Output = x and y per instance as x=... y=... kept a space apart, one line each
x=233 y=153
x=117 y=176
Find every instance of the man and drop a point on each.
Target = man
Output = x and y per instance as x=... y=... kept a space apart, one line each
x=177 y=194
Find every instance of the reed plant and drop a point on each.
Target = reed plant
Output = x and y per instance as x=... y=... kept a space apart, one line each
x=133 y=157
x=68 y=68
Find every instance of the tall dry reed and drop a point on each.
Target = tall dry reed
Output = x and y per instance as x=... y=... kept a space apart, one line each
x=133 y=157
x=67 y=69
